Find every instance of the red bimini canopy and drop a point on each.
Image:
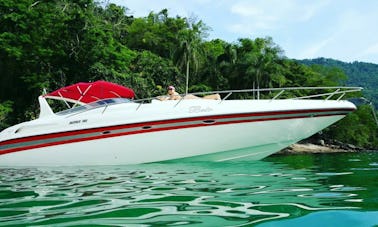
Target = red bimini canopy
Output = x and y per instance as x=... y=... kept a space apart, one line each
x=83 y=93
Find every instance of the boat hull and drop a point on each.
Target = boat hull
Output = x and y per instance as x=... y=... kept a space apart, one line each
x=238 y=139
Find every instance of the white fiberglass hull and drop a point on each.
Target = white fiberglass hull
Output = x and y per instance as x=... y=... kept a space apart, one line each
x=251 y=141
x=130 y=133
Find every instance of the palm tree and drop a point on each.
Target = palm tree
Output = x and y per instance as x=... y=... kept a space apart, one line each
x=261 y=56
x=190 y=48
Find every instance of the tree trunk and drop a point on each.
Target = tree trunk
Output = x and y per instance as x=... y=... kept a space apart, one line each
x=187 y=77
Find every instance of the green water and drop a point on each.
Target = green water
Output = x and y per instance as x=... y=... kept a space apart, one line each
x=296 y=190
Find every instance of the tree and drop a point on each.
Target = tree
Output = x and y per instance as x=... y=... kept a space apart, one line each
x=261 y=57
x=28 y=35
x=190 y=48
x=156 y=33
x=117 y=17
x=52 y=44
x=218 y=57
x=5 y=110
x=358 y=128
x=150 y=73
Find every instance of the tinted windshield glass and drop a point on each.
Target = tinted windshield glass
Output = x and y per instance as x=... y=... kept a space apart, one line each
x=93 y=105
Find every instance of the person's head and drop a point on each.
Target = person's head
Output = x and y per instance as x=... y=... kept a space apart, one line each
x=171 y=89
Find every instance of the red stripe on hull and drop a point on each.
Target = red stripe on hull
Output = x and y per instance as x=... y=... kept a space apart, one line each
x=136 y=125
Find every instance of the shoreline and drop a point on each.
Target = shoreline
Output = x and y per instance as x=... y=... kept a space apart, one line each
x=315 y=148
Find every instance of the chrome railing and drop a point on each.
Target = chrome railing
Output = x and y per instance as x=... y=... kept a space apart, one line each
x=331 y=92
x=277 y=92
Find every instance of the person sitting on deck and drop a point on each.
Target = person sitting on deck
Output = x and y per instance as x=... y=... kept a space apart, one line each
x=172 y=94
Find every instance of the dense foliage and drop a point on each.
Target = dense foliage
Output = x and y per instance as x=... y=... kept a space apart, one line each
x=50 y=44
x=359 y=128
x=360 y=74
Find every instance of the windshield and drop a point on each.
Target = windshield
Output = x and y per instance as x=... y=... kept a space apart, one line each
x=94 y=105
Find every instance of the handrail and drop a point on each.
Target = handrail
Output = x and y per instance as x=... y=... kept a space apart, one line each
x=352 y=89
x=337 y=90
x=332 y=94
x=228 y=95
x=280 y=93
x=276 y=89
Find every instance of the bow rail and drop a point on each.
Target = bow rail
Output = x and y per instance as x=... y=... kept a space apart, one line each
x=328 y=93
x=274 y=93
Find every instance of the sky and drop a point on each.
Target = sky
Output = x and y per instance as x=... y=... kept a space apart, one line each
x=345 y=30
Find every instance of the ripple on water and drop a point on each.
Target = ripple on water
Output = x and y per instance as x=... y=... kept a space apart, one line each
x=157 y=194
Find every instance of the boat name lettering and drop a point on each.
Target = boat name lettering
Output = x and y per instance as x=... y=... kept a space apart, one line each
x=199 y=109
x=78 y=121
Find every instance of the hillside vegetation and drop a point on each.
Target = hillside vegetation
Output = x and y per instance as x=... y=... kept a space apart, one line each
x=359 y=74
x=51 y=44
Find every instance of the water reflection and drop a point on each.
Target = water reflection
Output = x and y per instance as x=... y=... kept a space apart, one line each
x=208 y=194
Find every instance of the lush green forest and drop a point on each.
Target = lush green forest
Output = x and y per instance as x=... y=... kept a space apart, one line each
x=359 y=74
x=50 y=44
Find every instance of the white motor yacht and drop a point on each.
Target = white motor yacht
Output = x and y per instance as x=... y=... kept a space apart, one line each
x=105 y=126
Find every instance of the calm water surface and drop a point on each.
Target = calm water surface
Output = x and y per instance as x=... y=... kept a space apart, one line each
x=296 y=190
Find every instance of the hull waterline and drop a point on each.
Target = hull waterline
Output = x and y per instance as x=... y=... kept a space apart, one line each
x=248 y=141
